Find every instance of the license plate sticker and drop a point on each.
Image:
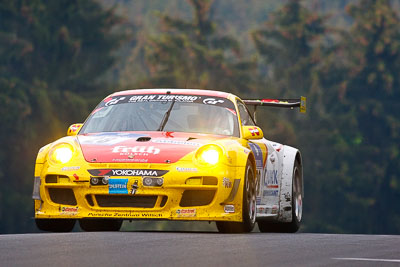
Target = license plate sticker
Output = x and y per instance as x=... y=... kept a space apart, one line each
x=118 y=186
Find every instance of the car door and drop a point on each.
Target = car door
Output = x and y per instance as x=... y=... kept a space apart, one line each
x=267 y=164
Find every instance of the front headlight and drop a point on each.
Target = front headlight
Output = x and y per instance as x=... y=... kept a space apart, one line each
x=61 y=153
x=209 y=155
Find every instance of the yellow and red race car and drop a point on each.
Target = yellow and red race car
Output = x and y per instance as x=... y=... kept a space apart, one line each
x=169 y=154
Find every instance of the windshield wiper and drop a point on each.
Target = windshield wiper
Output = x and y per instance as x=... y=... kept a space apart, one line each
x=166 y=116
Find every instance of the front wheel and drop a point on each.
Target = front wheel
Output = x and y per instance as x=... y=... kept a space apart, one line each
x=249 y=206
x=97 y=225
x=55 y=225
x=297 y=207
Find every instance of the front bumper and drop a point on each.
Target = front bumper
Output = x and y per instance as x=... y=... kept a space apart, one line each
x=187 y=193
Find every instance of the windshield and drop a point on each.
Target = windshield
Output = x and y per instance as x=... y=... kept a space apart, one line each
x=196 y=114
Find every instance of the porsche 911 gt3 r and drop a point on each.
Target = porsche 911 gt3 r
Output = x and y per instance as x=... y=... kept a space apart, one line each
x=169 y=154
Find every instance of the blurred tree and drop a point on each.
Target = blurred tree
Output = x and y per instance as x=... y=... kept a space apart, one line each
x=369 y=113
x=287 y=45
x=353 y=89
x=52 y=53
x=191 y=54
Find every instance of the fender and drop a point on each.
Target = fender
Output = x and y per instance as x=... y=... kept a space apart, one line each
x=290 y=155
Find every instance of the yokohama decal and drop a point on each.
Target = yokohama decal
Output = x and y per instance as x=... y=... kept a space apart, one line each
x=126 y=172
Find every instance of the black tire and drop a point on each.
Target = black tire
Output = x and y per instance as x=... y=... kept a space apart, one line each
x=97 y=225
x=55 y=225
x=297 y=208
x=249 y=206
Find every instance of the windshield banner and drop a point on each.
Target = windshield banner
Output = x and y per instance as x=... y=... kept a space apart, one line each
x=206 y=100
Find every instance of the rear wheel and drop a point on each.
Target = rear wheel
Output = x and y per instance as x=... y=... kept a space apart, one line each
x=55 y=225
x=249 y=206
x=297 y=208
x=97 y=225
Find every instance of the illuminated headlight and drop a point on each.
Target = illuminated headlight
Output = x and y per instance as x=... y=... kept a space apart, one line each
x=209 y=154
x=61 y=153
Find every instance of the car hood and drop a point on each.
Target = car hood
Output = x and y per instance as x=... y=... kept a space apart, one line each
x=141 y=147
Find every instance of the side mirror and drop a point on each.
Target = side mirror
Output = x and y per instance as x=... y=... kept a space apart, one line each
x=252 y=132
x=74 y=129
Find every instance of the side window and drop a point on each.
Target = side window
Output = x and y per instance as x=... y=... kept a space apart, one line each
x=245 y=117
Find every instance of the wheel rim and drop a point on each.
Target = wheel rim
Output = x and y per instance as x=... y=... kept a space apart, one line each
x=251 y=196
x=298 y=199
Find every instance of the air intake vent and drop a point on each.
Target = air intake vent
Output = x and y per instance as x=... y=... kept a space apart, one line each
x=192 y=198
x=53 y=179
x=62 y=196
x=126 y=201
x=143 y=139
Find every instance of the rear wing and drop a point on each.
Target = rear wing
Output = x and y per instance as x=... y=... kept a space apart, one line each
x=279 y=103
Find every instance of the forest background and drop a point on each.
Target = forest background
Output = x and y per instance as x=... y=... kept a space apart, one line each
x=58 y=59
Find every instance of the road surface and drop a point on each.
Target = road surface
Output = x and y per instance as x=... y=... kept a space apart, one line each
x=197 y=249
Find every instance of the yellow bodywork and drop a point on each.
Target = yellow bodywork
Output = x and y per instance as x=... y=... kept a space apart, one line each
x=76 y=198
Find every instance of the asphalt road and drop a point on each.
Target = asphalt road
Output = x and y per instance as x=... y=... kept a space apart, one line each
x=197 y=249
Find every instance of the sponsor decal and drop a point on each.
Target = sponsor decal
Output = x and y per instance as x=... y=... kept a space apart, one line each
x=127 y=214
x=274 y=209
x=208 y=100
x=261 y=210
x=142 y=98
x=229 y=209
x=74 y=128
x=258 y=200
x=134 y=188
x=138 y=150
x=212 y=101
x=175 y=142
x=254 y=131
x=69 y=211
x=72 y=168
x=277 y=146
x=113 y=101
x=257 y=154
x=271 y=193
x=226 y=182
x=158 y=98
x=186 y=212
x=126 y=172
x=179 y=169
x=271 y=179
x=118 y=186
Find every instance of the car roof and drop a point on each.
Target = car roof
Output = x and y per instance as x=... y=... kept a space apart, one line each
x=174 y=91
